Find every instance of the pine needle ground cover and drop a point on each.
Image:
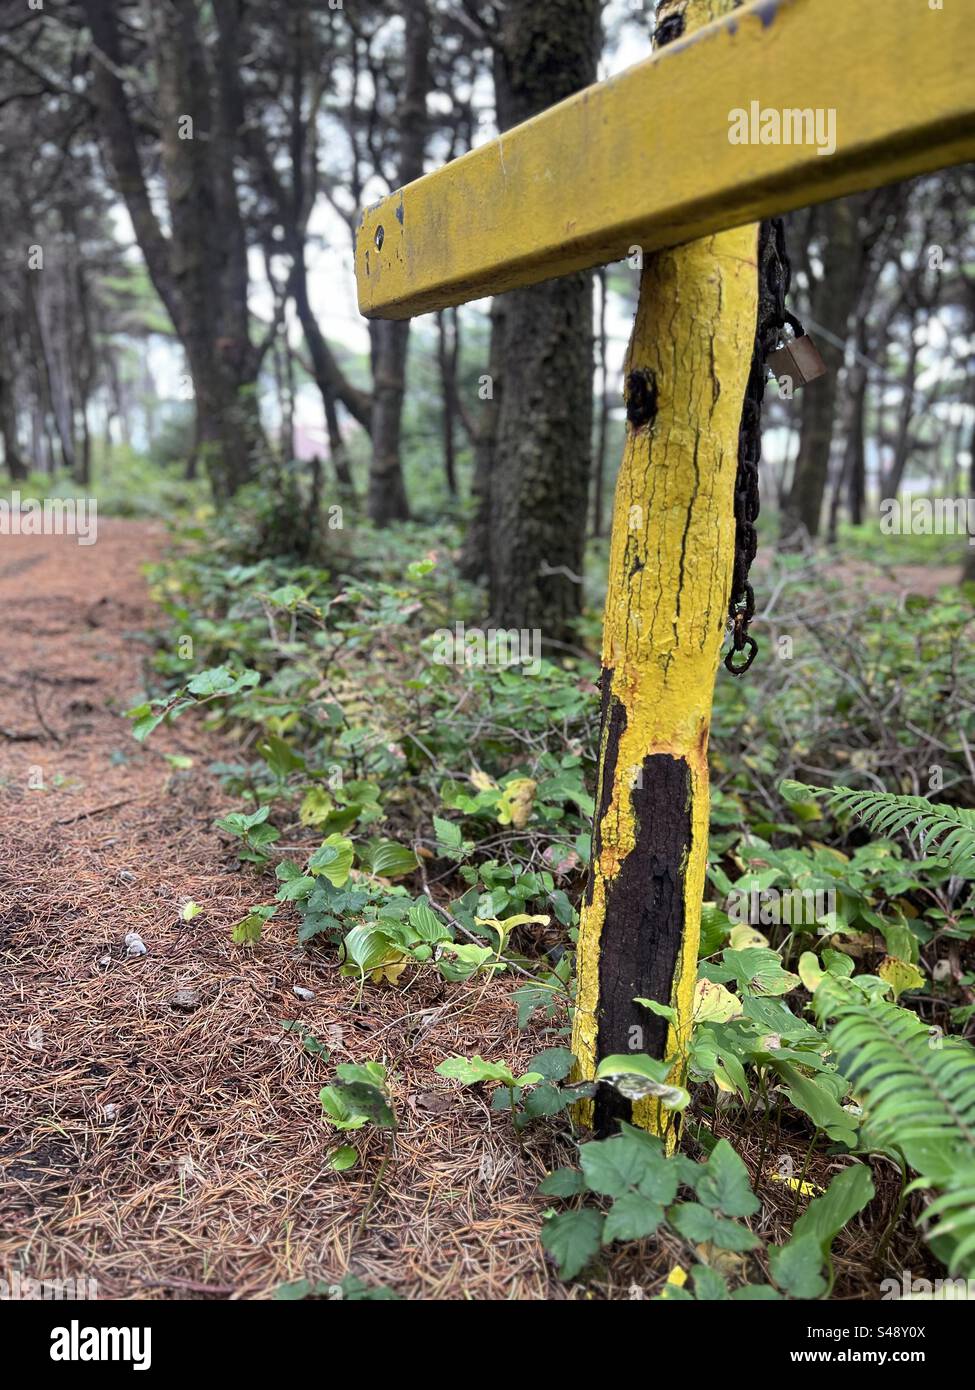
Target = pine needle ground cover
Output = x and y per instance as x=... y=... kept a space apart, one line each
x=340 y=1067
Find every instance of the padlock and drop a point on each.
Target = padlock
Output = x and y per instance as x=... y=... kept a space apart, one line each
x=799 y=360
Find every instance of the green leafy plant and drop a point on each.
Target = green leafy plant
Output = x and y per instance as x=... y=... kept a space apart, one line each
x=530 y=1096
x=349 y=1290
x=358 y=1097
x=641 y=1181
x=917 y=1090
x=253 y=832
x=219 y=682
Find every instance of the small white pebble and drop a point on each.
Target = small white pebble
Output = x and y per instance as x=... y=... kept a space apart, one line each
x=303 y=993
x=110 y=1110
x=134 y=944
x=104 y=961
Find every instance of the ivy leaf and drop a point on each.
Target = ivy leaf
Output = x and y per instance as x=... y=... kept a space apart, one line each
x=709 y=1287
x=724 y=1183
x=632 y=1217
x=221 y=680
x=796 y=1267
x=701 y=1225
x=572 y=1238
x=564 y=1182
x=614 y=1166
x=554 y=1063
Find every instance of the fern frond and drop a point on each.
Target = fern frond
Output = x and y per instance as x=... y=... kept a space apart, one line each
x=917 y=1090
x=950 y=828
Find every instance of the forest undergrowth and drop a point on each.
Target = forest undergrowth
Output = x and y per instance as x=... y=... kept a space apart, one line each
x=410 y=820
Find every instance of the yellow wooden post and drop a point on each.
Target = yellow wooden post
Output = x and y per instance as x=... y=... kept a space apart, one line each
x=669 y=576
x=651 y=158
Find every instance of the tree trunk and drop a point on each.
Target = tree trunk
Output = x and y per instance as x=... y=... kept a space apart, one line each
x=856 y=446
x=447 y=362
x=476 y=557
x=832 y=301
x=540 y=489
x=968 y=569
x=13 y=459
x=390 y=339
x=902 y=445
x=200 y=269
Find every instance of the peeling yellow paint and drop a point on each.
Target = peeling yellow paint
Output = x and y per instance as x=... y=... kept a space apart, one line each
x=669 y=575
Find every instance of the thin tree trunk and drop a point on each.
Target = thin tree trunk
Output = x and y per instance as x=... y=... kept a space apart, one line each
x=833 y=300
x=447 y=361
x=902 y=446
x=199 y=266
x=390 y=339
x=968 y=569
x=13 y=458
x=856 y=448
x=540 y=490
x=476 y=557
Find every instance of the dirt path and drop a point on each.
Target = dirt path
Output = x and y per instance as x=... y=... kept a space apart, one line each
x=179 y=1154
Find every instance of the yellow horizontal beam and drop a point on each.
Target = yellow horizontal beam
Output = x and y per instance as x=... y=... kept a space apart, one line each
x=647 y=158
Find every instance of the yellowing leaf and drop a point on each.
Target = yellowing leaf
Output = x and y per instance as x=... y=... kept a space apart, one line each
x=811 y=973
x=390 y=971
x=482 y=782
x=517 y=800
x=745 y=935
x=316 y=807
x=505 y=927
x=899 y=975
x=715 y=1004
x=677 y=1276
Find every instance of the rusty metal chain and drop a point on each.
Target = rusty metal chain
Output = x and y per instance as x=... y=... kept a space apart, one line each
x=774 y=276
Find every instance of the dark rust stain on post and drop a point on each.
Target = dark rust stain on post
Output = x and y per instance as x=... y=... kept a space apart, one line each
x=642 y=934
